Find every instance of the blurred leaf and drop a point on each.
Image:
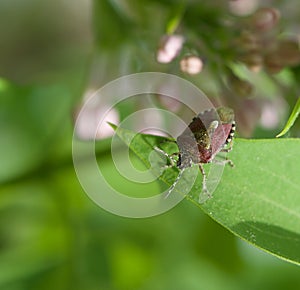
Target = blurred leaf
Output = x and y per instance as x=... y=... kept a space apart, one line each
x=291 y=120
x=264 y=85
x=109 y=25
x=175 y=18
x=34 y=239
x=258 y=200
x=131 y=265
x=30 y=116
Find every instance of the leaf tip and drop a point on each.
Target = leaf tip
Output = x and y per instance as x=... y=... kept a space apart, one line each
x=280 y=134
x=115 y=127
x=291 y=120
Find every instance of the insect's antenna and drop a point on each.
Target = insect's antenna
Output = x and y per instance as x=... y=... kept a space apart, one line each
x=175 y=183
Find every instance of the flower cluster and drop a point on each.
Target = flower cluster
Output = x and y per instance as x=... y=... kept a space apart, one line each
x=259 y=46
x=170 y=47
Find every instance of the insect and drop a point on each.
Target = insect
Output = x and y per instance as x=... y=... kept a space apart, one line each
x=209 y=133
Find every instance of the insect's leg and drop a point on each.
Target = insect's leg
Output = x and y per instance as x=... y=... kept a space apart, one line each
x=168 y=140
x=169 y=157
x=174 y=183
x=173 y=161
x=161 y=151
x=172 y=157
x=228 y=149
x=223 y=162
x=205 y=194
x=204 y=188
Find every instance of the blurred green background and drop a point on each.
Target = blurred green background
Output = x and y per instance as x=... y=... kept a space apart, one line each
x=52 y=236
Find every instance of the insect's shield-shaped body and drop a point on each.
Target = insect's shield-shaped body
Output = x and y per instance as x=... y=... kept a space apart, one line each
x=205 y=136
x=208 y=133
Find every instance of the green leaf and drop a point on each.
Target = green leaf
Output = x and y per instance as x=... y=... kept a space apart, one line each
x=291 y=119
x=257 y=200
x=143 y=146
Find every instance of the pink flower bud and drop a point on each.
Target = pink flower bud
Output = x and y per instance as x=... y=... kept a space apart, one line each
x=253 y=60
x=242 y=7
x=249 y=41
x=90 y=122
x=289 y=52
x=273 y=63
x=265 y=19
x=191 y=64
x=170 y=47
x=241 y=87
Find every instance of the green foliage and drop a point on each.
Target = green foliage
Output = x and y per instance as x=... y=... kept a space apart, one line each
x=52 y=236
x=258 y=200
x=291 y=120
x=31 y=115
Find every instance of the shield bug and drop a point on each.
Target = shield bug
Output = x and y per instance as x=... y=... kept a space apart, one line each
x=209 y=133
